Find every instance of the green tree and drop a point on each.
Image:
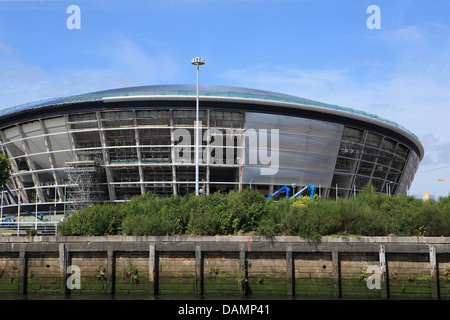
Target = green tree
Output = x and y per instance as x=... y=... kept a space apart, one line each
x=5 y=169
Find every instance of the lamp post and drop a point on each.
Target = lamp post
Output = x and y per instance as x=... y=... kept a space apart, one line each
x=197 y=62
x=18 y=210
x=388 y=187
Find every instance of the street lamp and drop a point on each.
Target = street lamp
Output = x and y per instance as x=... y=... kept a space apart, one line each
x=388 y=187
x=197 y=62
x=18 y=210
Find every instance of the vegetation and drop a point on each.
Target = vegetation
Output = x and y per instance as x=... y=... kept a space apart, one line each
x=5 y=170
x=248 y=212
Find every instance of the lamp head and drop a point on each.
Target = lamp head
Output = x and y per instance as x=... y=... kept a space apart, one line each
x=198 y=61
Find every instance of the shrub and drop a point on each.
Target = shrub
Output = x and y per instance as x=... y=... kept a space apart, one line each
x=241 y=211
x=312 y=218
x=177 y=210
x=441 y=226
x=272 y=221
x=203 y=221
x=248 y=211
x=92 y=221
x=324 y=217
x=145 y=225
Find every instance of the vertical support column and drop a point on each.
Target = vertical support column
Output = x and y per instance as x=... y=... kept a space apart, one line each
x=208 y=148
x=384 y=284
x=138 y=152
x=153 y=269
x=31 y=165
x=243 y=272
x=106 y=160
x=433 y=273
x=198 y=270
x=358 y=160
x=110 y=272
x=63 y=259
x=70 y=136
x=173 y=156
x=51 y=159
x=14 y=166
x=336 y=274
x=289 y=272
x=23 y=268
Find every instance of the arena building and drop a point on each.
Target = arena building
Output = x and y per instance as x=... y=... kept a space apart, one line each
x=109 y=146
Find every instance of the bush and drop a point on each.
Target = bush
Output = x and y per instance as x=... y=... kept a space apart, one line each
x=145 y=225
x=324 y=219
x=272 y=222
x=203 y=221
x=177 y=210
x=247 y=211
x=311 y=218
x=241 y=212
x=95 y=220
x=441 y=225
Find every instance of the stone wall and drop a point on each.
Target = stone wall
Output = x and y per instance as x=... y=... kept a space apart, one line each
x=411 y=268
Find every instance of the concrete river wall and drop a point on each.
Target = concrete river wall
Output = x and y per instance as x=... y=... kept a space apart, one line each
x=240 y=266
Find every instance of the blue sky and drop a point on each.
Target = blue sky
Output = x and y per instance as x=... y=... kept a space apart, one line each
x=320 y=50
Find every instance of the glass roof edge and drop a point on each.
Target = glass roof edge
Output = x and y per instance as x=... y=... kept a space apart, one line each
x=263 y=96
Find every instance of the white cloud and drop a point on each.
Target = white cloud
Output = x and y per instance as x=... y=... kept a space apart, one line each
x=312 y=84
x=130 y=58
x=126 y=64
x=413 y=89
x=438 y=152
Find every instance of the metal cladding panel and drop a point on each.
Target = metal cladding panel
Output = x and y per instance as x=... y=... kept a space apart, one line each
x=305 y=152
x=304 y=143
x=408 y=173
x=289 y=124
x=287 y=176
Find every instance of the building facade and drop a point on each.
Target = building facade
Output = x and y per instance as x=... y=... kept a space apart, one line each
x=112 y=145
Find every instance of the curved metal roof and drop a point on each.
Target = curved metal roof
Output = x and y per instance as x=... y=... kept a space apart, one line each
x=213 y=93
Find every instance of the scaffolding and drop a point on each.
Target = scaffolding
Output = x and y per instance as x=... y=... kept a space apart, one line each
x=121 y=154
x=83 y=186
